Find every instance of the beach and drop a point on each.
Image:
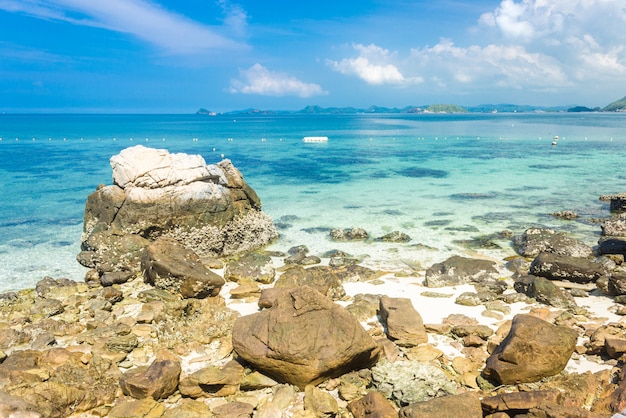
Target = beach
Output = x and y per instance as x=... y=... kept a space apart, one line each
x=450 y=186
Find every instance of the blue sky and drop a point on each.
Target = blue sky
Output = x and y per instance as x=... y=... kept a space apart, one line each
x=177 y=56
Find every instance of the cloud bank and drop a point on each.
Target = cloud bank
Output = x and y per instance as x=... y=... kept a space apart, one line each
x=259 y=80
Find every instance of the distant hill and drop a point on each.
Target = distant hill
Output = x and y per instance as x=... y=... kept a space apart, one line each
x=616 y=106
x=513 y=108
x=445 y=108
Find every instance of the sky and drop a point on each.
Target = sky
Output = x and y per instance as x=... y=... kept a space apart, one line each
x=173 y=56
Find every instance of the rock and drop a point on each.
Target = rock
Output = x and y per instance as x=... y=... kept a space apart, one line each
x=617 y=201
x=11 y=406
x=48 y=285
x=109 y=252
x=532 y=350
x=324 y=279
x=188 y=408
x=115 y=277
x=168 y=265
x=319 y=402
x=537 y=240
x=234 y=409
x=144 y=408
x=568 y=215
x=554 y=410
x=612 y=245
x=403 y=323
x=615 y=226
x=158 y=381
x=372 y=405
x=252 y=267
x=562 y=267
x=354 y=234
x=213 y=381
x=515 y=402
x=544 y=291
x=208 y=207
x=459 y=270
x=616 y=284
x=466 y=405
x=272 y=340
x=395 y=236
x=409 y=382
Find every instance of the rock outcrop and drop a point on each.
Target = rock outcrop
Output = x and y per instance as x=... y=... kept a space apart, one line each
x=208 y=208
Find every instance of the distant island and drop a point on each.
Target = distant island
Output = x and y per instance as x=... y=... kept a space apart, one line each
x=616 y=106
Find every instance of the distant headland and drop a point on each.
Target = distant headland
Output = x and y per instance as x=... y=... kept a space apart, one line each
x=616 y=106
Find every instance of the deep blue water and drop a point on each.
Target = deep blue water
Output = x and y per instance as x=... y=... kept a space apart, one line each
x=439 y=178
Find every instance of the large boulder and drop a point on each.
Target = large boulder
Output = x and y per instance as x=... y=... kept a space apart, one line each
x=304 y=338
x=209 y=208
x=532 y=350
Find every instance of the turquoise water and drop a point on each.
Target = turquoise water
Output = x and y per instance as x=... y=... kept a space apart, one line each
x=443 y=179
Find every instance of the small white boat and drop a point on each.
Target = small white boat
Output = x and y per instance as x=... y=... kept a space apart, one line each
x=315 y=139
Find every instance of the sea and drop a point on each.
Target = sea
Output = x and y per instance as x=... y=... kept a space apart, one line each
x=456 y=184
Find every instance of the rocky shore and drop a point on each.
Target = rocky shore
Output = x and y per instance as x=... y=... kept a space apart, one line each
x=184 y=314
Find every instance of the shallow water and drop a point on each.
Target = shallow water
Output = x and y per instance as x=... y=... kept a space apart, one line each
x=449 y=181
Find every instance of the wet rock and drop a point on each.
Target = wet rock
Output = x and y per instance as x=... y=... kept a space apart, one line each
x=168 y=265
x=252 y=267
x=395 y=236
x=532 y=350
x=271 y=340
x=466 y=405
x=615 y=226
x=617 y=201
x=562 y=267
x=568 y=215
x=353 y=234
x=158 y=381
x=537 y=240
x=544 y=291
x=612 y=245
x=374 y=404
x=459 y=270
x=409 y=382
x=403 y=323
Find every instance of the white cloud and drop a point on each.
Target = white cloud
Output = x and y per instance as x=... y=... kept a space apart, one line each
x=259 y=80
x=584 y=37
x=168 y=31
x=476 y=67
x=372 y=66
